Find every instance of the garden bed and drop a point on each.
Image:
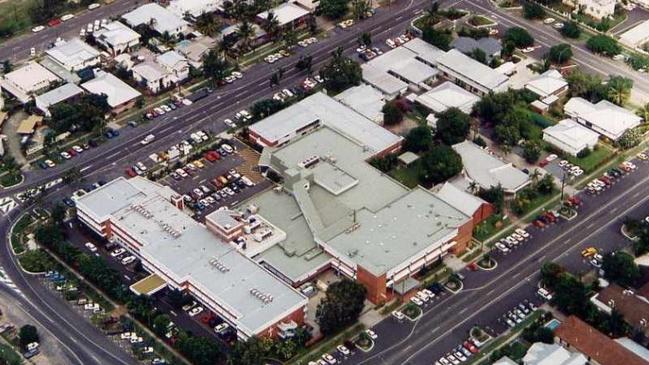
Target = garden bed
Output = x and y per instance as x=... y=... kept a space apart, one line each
x=487 y=263
x=36 y=261
x=489 y=227
x=412 y=311
x=480 y=21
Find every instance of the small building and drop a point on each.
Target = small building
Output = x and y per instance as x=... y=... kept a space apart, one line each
x=195 y=50
x=27 y=81
x=193 y=8
x=488 y=171
x=398 y=70
x=634 y=308
x=490 y=46
x=469 y=204
x=55 y=96
x=408 y=158
x=605 y=118
x=365 y=100
x=224 y=223
x=28 y=126
x=152 y=76
x=288 y=15
x=120 y=95
x=471 y=74
x=447 y=95
x=552 y=354
x=549 y=83
x=74 y=55
x=570 y=137
x=117 y=38
x=161 y=19
x=174 y=64
x=637 y=36
x=577 y=335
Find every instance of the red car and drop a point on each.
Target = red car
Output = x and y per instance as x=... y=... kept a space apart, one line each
x=473 y=266
x=538 y=224
x=471 y=347
x=575 y=200
x=54 y=22
x=551 y=217
x=212 y=156
x=130 y=172
x=72 y=152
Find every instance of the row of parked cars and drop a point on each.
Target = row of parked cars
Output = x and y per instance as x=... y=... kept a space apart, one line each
x=343 y=349
x=272 y=58
x=221 y=187
x=571 y=169
x=176 y=102
x=422 y=297
x=397 y=41
x=460 y=353
x=546 y=219
x=608 y=178
x=513 y=240
x=519 y=313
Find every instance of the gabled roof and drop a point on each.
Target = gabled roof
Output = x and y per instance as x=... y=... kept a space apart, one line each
x=490 y=46
x=460 y=199
x=448 y=95
x=116 y=33
x=285 y=13
x=473 y=70
x=73 y=52
x=117 y=91
x=571 y=133
x=611 y=119
x=171 y=60
x=162 y=19
x=594 y=344
x=547 y=83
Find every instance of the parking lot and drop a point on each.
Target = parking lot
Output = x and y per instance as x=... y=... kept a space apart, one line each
x=209 y=183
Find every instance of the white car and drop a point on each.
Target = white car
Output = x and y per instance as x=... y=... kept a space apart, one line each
x=343 y=350
x=195 y=311
x=127 y=260
x=221 y=328
x=77 y=149
x=237 y=74
x=501 y=247
x=67 y=17
x=422 y=296
x=90 y=247
x=118 y=252
x=38 y=28
x=563 y=163
x=398 y=315
x=548 y=21
x=551 y=157
x=417 y=301
x=147 y=139
x=522 y=232
x=230 y=123
x=371 y=334
x=66 y=155
x=93 y=6
x=50 y=163
x=329 y=359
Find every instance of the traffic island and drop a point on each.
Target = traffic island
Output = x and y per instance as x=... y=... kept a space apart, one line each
x=479 y=336
x=412 y=312
x=454 y=285
x=487 y=263
x=567 y=213
x=363 y=342
x=628 y=233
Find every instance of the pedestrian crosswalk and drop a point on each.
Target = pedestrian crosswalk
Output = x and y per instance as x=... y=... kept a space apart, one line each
x=4 y=279
x=7 y=204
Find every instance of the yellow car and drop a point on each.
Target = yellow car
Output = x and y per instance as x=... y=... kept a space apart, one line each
x=590 y=251
x=198 y=164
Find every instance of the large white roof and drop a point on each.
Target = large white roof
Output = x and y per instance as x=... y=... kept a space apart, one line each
x=487 y=170
x=637 y=35
x=27 y=79
x=572 y=134
x=117 y=91
x=116 y=33
x=473 y=70
x=285 y=13
x=546 y=84
x=163 y=19
x=72 y=53
x=606 y=118
x=187 y=256
x=447 y=95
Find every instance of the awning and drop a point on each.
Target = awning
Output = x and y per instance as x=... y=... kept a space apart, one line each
x=405 y=286
x=149 y=285
x=28 y=125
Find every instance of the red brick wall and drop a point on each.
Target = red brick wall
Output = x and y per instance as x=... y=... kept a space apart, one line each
x=376 y=286
x=465 y=232
x=484 y=212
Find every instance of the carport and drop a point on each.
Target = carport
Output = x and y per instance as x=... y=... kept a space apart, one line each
x=149 y=285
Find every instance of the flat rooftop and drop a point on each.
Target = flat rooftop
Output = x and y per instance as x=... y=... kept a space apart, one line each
x=186 y=251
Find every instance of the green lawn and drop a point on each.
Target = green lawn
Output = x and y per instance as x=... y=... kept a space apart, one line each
x=408 y=176
x=8 y=180
x=479 y=20
x=487 y=228
x=36 y=261
x=595 y=159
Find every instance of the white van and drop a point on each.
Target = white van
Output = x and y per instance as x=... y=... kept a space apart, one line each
x=127 y=260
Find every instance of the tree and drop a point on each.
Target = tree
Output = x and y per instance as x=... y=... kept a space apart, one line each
x=312 y=23
x=570 y=295
x=643 y=112
x=604 y=45
x=271 y=25
x=560 y=54
x=199 y=350
x=630 y=139
x=479 y=55
x=176 y=298
x=532 y=10
x=550 y=272
x=620 y=267
x=215 y=67
x=452 y=126
x=289 y=37
x=334 y=9
x=365 y=39
x=532 y=151
x=392 y=114
x=519 y=37
x=7 y=66
x=72 y=175
x=207 y=24
x=341 y=72
x=439 y=164
x=266 y=107
x=88 y=113
x=341 y=306
x=571 y=30
x=27 y=334
x=418 y=139
x=438 y=38
x=245 y=31
x=494 y=195
x=585 y=85
x=304 y=63
x=160 y=324
x=249 y=352
x=360 y=8
x=545 y=185
x=618 y=89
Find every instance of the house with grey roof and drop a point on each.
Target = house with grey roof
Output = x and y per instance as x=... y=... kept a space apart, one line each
x=604 y=117
x=55 y=96
x=161 y=19
x=552 y=354
x=117 y=38
x=486 y=170
x=570 y=137
x=471 y=74
x=490 y=46
x=74 y=55
x=445 y=96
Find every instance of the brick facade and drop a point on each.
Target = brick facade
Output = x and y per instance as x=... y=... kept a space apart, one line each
x=376 y=286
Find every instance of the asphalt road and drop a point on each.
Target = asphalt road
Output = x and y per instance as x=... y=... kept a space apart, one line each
x=18 y=48
x=487 y=295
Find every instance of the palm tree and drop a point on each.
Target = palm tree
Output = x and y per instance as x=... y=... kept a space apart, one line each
x=619 y=95
x=207 y=24
x=474 y=187
x=644 y=112
x=535 y=175
x=245 y=31
x=271 y=25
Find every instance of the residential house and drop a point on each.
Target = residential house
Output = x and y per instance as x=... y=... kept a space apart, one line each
x=604 y=117
x=552 y=354
x=117 y=38
x=160 y=19
x=174 y=64
x=74 y=55
x=193 y=8
x=62 y=93
x=471 y=74
x=288 y=15
x=447 y=95
x=27 y=81
x=120 y=96
x=570 y=137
